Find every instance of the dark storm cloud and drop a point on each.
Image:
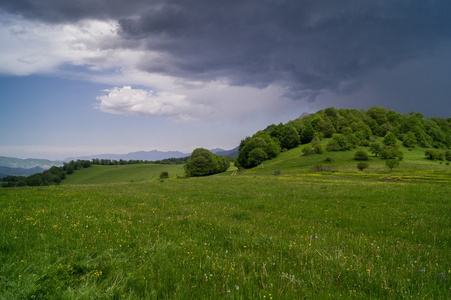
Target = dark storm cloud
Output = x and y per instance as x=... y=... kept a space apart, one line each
x=62 y=11
x=306 y=46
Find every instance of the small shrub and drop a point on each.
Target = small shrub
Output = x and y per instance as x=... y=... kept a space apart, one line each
x=164 y=175
x=328 y=159
x=391 y=153
x=333 y=146
x=307 y=150
x=362 y=165
x=318 y=149
x=361 y=155
x=392 y=163
x=433 y=154
x=375 y=148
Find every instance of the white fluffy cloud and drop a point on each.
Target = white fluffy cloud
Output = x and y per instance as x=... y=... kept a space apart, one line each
x=212 y=102
x=129 y=101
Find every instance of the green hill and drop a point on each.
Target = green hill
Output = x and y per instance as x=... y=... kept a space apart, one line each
x=341 y=163
x=98 y=174
x=349 y=129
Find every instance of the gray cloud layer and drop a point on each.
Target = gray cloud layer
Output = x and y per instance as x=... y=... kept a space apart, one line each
x=307 y=46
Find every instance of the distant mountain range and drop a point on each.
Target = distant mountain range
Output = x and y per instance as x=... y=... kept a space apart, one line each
x=6 y=171
x=140 y=155
x=28 y=163
x=151 y=155
x=30 y=166
x=229 y=153
x=25 y=167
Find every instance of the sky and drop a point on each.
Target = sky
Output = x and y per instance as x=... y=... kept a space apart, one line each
x=89 y=77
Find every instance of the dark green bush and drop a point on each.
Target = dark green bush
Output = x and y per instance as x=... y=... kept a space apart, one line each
x=361 y=155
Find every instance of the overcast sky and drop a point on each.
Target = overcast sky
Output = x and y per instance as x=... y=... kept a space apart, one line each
x=112 y=76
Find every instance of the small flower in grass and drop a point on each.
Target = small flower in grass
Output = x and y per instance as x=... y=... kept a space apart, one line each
x=237 y=287
x=441 y=276
x=96 y=273
x=422 y=271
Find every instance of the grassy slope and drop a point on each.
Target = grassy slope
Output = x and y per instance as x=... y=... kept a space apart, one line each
x=293 y=163
x=344 y=234
x=124 y=173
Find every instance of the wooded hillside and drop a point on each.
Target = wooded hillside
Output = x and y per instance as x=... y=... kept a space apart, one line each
x=348 y=128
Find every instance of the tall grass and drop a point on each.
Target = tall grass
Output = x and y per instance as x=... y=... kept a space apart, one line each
x=237 y=237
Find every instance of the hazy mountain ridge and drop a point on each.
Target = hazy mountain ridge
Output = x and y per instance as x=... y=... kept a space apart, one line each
x=151 y=155
x=28 y=163
x=230 y=153
x=7 y=171
x=139 y=155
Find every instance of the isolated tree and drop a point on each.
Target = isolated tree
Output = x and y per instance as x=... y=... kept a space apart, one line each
x=362 y=165
x=199 y=166
x=375 y=148
x=392 y=163
x=361 y=155
x=202 y=162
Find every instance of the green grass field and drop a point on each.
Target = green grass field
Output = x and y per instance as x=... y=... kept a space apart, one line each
x=121 y=173
x=299 y=234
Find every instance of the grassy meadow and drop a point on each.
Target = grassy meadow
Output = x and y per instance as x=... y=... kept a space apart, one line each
x=279 y=231
x=97 y=174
